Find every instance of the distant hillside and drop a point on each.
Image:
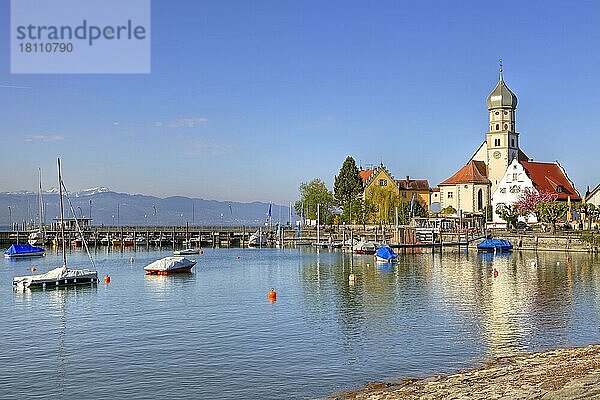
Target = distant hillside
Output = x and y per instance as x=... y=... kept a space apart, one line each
x=111 y=208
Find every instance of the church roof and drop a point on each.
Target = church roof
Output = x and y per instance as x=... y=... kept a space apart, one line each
x=501 y=96
x=473 y=172
x=551 y=178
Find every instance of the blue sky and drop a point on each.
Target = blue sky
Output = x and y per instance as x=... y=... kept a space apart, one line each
x=247 y=99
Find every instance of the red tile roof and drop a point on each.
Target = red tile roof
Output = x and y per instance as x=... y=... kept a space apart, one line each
x=413 y=184
x=365 y=174
x=550 y=177
x=473 y=172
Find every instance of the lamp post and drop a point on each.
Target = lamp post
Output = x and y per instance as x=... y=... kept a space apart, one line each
x=80 y=212
x=155 y=215
x=90 y=211
x=10 y=217
x=118 y=214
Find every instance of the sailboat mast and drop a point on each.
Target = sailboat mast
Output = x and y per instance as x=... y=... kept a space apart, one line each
x=62 y=216
x=41 y=204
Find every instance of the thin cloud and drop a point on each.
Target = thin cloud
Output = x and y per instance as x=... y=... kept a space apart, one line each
x=43 y=138
x=188 y=122
x=197 y=147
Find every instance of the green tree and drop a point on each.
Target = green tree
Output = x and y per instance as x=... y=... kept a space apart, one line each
x=313 y=193
x=508 y=213
x=347 y=186
x=406 y=214
x=383 y=204
x=448 y=211
x=551 y=212
x=384 y=200
x=587 y=211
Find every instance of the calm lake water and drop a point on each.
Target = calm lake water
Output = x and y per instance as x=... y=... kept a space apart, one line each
x=213 y=334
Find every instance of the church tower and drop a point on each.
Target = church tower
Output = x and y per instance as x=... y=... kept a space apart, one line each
x=502 y=138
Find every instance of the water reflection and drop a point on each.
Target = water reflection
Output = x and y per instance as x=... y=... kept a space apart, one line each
x=528 y=305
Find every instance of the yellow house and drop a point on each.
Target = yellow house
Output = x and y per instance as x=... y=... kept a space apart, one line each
x=417 y=188
x=406 y=188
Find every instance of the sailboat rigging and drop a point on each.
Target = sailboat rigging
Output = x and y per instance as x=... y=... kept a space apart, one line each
x=61 y=276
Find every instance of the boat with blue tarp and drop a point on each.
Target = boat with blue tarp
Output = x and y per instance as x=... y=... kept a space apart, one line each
x=495 y=245
x=24 y=250
x=385 y=254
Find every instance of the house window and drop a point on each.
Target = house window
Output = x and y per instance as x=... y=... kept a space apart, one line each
x=497 y=142
x=497 y=127
x=403 y=195
x=515 y=177
x=505 y=126
x=382 y=182
x=560 y=189
x=512 y=142
x=515 y=189
x=449 y=195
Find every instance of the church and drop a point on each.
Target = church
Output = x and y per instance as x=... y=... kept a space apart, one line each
x=472 y=189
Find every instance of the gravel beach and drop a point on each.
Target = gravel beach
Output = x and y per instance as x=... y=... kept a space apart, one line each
x=572 y=373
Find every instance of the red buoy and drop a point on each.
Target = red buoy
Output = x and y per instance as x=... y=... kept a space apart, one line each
x=201 y=251
x=272 y=295
x=106 y=278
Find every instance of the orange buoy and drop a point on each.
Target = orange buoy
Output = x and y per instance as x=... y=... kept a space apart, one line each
x=106 y=278
x=495 y=273
x=272 y=295
x=33 y=269
x=201 y=251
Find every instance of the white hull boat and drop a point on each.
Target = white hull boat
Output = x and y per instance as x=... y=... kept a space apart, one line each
x=257 y=239
x=61 y=276
x=170 y=265
x=57 y=277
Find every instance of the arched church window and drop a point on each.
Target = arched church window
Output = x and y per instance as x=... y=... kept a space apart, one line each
x=480 y=199
x=497 y=113
x=505 y=112
x=497 y=127
x=505 y=126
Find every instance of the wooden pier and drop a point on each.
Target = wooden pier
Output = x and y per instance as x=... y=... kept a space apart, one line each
x=238 y=236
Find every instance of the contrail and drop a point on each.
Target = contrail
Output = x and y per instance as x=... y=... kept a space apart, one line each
x=14 y=86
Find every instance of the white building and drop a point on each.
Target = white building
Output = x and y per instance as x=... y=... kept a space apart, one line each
x=535 y=176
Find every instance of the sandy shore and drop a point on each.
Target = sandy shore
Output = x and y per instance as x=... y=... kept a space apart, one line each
x=558 y=374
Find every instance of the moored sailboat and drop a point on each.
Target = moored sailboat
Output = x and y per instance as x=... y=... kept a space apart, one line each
x=63 y=275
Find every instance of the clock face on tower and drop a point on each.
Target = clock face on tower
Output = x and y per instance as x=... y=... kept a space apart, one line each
x=497 y=154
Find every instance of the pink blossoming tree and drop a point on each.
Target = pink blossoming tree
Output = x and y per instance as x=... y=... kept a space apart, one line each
x=527 y=202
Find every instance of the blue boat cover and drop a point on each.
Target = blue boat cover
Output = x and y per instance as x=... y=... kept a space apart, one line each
x=386 y=253
x=23 y=248
x=490 y=244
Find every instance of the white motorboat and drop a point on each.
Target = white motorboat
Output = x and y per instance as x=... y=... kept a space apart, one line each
x=257 y=239
x=24 y=251
x=37 y=238
x=186 y=252
x=363 y=247
x=170 y=265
